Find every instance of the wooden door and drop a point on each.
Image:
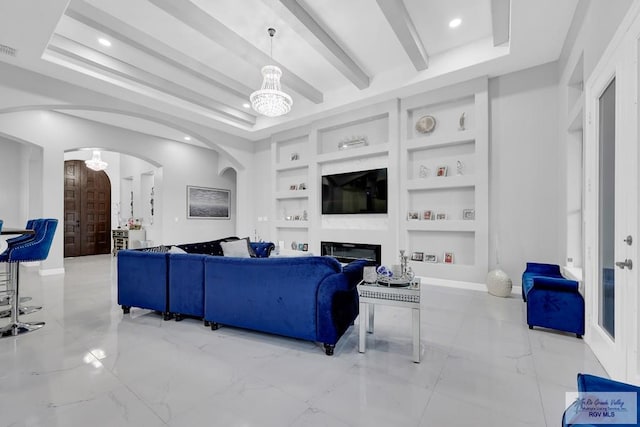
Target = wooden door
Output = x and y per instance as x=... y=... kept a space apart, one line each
x=87 y=210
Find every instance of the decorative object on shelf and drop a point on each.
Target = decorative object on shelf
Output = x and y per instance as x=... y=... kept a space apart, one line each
x=459 y=168
x=413 y=216
x=441 y=216
x=302 y=186
x=498 y=283
x=427 y=215
x=417 y=256
x=96 y=163
x=294 y=156
x=468 y=214
x=424 y=171
x=430 y=258
x=301 y=246
x=442 y=171
x=369 y=274
x=208 y=203
x=294 y=245
x=353 y=141
x=426 y=124
x=131 y=205
x=293 y=187
x=448 y=258
x=270 y=100
x=296 y=218
x=305 y=215
x=461 y=121
x=305 y=247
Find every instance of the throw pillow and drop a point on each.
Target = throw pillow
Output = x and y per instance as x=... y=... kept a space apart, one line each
x=237 y=248
x=177 y=250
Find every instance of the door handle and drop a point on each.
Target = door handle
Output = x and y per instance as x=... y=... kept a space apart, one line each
x=626 y=263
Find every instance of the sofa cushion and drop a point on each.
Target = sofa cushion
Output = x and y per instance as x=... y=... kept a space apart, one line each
x=208 y=248
x=177 y=250
x=239 y=248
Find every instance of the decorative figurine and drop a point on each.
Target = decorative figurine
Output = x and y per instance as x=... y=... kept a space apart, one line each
x=461 y=121
x=459 y=167
x=424 y=171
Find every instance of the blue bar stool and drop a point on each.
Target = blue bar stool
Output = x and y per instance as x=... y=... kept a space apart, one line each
x=32 y=224
x=34 y=249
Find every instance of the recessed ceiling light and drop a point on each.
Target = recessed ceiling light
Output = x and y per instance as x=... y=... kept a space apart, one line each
x=246 y=105
x=104 y=42
x=455 y=23
x=187 y=138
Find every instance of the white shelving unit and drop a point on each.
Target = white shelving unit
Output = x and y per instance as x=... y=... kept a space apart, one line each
x=463 y=151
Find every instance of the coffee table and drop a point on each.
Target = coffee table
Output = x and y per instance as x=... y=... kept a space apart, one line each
x=372 y=294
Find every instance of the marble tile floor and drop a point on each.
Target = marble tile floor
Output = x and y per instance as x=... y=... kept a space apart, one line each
x=92 y=366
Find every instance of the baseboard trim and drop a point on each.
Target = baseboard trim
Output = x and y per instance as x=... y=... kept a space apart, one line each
x=51 y=271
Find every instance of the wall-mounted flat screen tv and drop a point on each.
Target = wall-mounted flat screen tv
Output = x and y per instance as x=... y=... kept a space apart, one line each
x=361 y=192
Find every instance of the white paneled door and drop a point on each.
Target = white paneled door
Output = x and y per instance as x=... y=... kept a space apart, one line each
x=611 y=205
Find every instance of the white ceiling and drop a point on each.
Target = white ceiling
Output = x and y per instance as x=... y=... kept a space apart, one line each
x=197 y=61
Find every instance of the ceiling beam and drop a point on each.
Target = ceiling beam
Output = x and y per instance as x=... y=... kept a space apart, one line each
x=95 y=18
x=398 y=17
x=216 y=31
x=500 y=20
x=87 y=55
x=320 y=39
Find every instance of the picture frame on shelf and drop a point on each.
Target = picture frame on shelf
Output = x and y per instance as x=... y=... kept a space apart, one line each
x=469 y=214
x=432 y=258
x=413 y=216
x=293 y=187
x=208 y=203
x=441 y=171
x=441 y=216
x=448 y=258
x=302 y=186
x=305 y=247
x=417 y=256
x=428 y=215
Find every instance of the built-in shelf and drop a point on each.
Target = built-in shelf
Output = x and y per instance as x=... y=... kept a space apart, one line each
x=292 y=194
x=446 y=139
x=292 y=224
x=442 y=225
x=293 y=164
x=354 y=153
x=438 y=182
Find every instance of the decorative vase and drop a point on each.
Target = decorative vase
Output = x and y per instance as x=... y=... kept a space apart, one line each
x=498 y=283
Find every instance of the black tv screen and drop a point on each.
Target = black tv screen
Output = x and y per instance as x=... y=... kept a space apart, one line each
x=362 y=192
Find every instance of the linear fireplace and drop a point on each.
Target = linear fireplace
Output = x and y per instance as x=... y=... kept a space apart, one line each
x=347 y=252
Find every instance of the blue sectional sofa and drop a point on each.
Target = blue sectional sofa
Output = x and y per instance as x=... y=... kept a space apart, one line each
x=312 y=298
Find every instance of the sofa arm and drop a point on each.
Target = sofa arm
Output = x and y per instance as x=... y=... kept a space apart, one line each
x=353 y=272
x=262 y=249
x=555 y=284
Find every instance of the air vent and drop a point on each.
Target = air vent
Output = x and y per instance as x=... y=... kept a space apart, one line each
x=7 y=50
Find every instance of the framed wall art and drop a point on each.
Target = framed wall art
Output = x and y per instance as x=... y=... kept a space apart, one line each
x=208 y=203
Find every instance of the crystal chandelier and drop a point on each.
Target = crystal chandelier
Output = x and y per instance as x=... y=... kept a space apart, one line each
x=96 y=162
x=270 y=101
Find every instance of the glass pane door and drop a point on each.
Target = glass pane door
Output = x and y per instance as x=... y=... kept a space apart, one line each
x=607 y=155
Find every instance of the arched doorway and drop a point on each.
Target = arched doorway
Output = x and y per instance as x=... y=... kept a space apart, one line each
x=87 y=210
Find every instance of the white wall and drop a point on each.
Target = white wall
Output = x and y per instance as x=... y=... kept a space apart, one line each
x=182 y=165
x=525 y=207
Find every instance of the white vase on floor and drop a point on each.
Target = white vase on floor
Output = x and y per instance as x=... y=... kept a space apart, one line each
x=498 y=283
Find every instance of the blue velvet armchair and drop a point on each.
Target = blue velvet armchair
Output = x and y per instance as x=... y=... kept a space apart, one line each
x=537 y=269
x=555 y=303
x=593 y=384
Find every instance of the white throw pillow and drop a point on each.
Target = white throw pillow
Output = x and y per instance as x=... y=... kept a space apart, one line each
x=236 y=248
x=177 y=250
